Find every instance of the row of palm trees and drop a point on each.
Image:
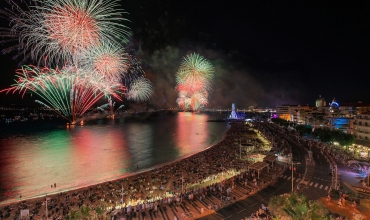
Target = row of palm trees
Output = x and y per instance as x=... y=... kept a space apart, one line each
x=86 y=212
x=297 y=207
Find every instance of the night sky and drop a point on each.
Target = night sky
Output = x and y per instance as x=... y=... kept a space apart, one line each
x=265 y=53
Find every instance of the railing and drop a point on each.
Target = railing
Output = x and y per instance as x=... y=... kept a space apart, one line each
x=334 y=169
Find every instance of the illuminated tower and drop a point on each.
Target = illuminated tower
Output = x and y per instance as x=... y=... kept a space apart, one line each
x=233 y=114
x=320 y=102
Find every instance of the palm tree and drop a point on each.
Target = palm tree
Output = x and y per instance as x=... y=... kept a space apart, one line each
x=297 y=207
x=320 y=118
x=74 y=215
x=99 y=211
x=312 y=121
x=85 y=212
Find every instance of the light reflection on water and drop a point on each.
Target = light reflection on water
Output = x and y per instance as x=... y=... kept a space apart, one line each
x=33 y=158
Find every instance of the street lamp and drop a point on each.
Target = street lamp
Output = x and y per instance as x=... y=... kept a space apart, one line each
x=291 y=158
x=182 y=182
x=292 y=175
x=46 y=206
x=240 y=148
x=293 y=172
x=122 y=194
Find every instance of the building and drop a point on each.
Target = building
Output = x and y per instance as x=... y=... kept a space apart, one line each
x=334 y=115
x=344 y=124
x=291 y=112
x=362 y=127
x=320 y=102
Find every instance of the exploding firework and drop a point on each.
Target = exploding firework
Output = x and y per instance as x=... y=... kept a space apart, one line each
x=198 y=100
x=68 y=92
x=108 y=59
x=10 y=36
x=61 y=29
x=85 y=38
x=194 y=74
x=134 y=70
x=103 y=107
x=110 y=106
x=183 y=101
x=140 y=90
x=193 y=82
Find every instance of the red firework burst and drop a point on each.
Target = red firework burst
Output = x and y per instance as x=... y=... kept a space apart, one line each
x=72 y=28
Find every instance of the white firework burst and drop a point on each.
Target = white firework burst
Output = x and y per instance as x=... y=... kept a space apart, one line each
x=140 y=90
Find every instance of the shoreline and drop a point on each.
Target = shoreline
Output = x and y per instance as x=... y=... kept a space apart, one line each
x=129 y=175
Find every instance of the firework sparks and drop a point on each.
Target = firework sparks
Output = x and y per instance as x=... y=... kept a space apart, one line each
x=183 y=101
x=110 y=106
x=194 y=74
x=108 y=59
x=85 y=38
x=193 y=82
x=60 y=29
x=140 y=90
x=198 y=100
x=133 y=71
x=68 y=92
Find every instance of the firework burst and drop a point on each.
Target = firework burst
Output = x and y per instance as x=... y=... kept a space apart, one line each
x=140 y=90
x=60 y=29
x=183 y=101
x=108 y=59
x=194 y=74
x=134 y=70
x=193 y=81
x=68 y=92
x=85 y=38
x=198 y=100
x=110 y=106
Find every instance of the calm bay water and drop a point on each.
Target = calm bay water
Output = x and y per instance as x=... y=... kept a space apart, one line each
x=34 y=156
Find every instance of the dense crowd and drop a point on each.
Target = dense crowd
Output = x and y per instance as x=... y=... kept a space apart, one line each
x=282 y=138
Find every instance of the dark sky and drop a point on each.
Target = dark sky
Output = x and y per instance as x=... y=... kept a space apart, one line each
x=295 y=50
x=267 y=52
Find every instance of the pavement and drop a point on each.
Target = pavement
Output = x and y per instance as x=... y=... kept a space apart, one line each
x=351 y=181
x=244 y=208
x=321 y=179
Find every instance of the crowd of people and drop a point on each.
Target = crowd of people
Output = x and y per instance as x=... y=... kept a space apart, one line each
x=282 y=138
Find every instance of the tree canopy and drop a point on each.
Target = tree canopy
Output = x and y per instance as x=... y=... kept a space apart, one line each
x=297 y=207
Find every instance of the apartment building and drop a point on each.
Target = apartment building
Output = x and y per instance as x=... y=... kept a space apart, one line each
x=291 y=112
x=362 y=126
